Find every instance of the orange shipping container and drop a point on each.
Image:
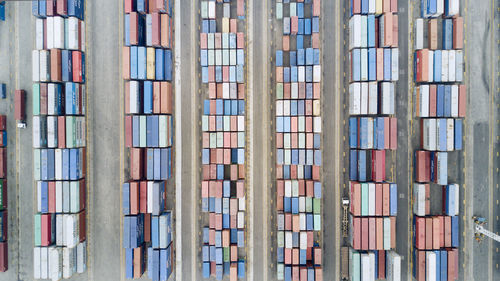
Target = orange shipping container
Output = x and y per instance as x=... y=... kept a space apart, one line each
x=380 y=233
x=166 y=98
x=55 y=65
x=432 y=30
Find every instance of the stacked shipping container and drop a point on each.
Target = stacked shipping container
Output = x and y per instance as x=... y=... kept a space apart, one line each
x=59 y=139
x=147 y=71
x=298 y=141
x=374 y=72
x=440 y=102
x=222 y=60
x=4 y=261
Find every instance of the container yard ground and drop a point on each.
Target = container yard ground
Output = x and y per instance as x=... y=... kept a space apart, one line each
x=105 y=159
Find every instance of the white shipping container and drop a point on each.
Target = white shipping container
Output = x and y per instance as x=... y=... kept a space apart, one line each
x=59 y=197
x=355 y=32
x=58 y=159
x=49 y=25
x=419 y=34
x=149 y=30
x=36 y=131
x=429 y=134
x=444 y=65
x=39 y=33
x=371 y=197
x=58 y=33
x=60 y=230
x=82 y=35
x=134 y=97
x=364 y=31
x=451 y=65
x=211 y=9
x=55 y=263
x=371 y=6
x=44 y=263
x=227 y=10
x=150 y=197
x=430 y=266
x=39 y=197
x=302 y=215
x=419 y=199
x=422 y=95
x=72 y=36
x=431 y=66
x=393 y=268
x=459 y=65
x=395 y=64
x=355 y=99
x=317 y=73
x=241 y=204
x=37 y=266
x=450 y=133
x=440 y=7
x=81 y=257
x=370 y=144
x=364 y=64
x=387 y=95
x=372 y=98
x=66 y=195
x=364 y=98
x=241 y=220
x=368 y=267
x=303 y=240
x=51 y=131
x=288 y=240
x=44 y=66
x=71 y=235
x=453 y=7
x=279 y=108
x=68 y=262
x=35 y=62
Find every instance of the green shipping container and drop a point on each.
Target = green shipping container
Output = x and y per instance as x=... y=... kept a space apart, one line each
x=355 y=264
x=36 y=99
x=281 y=239
x=364 y=198
x=279 y=91
x=316 y=205
x=204 y=9
x=3 y=184
x=309 y=203
x=317 y=222
x=293 y=9
x=38 y=230
x=241 y=139
x=75 y=196
x=226 y=254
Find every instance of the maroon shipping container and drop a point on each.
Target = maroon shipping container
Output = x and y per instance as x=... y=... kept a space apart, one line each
x=422 y=167
x=129 y=6
x=364 y=233
x=4 y=256
x=50 y=8
x=136 y=163
x=379 y=199
x=52 y=196
x=432 y=100
x=378 y=165
x=3 y=122
x=381 y=264
x=61 y=131
x=43 y=99
x=20 y=105
x=134 y=28
x=128 y=131
x=82 y=219
x=3 y=162
x=420 y=263
x=422 y=65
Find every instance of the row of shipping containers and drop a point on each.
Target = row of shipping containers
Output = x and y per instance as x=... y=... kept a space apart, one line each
x=298 y=141
x=147 y=62
x=440 y=105
x=451 y=31
x=374 y=74
x=4 y=254
x=59 y=139
x=222 y=60
x=374 y=265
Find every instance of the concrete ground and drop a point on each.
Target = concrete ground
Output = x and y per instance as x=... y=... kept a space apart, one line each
x=107 y=164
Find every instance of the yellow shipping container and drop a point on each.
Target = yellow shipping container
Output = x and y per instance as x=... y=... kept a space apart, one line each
x=150 y=64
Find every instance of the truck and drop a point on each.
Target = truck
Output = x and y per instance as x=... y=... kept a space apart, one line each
x=20 y=108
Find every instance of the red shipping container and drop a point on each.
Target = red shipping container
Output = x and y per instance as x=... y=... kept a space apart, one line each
x=20 y=104
x=356 y=240
x=393 y=124
x=47 y=229
x=155 y=29
x=388 y=29
x=394 y=6
x=233 y=272
x=3 y=122
x=240 y=40
x=4 y=256
x=462 y=100
x=428 y=233
x=458 y=33
x=436 y=233
x=386 y=199
x=286 y=43
x=372 y=235
x=126 y=62
x=420 y=263
x=420 y=233
x=129 y=6
x=422 y=168
x=62 y=7
x=136 y=163
x=166 y=98
x=233 y=25
x=55 y=65
x=138 y=261
x=3 y=162
x=316 y=8
x=355 y=198
x=203 y=41
x=83 y=194
x=78 y=67
x=379 y=233
x=379 y=199
x=134 y=28
x=318 y=274
x=240 y=8
x=43 y=99
x=161 y=6
x=165 y=31
x=422 y=65
x=452 y=264
x=50 y=8
x=134 y=198
x=378 y=165
x=315 y=40
x=52 y=196
x=61 y=131
x=356 y=6
x=432 y=100
x=381 y=264
x=147 y=228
